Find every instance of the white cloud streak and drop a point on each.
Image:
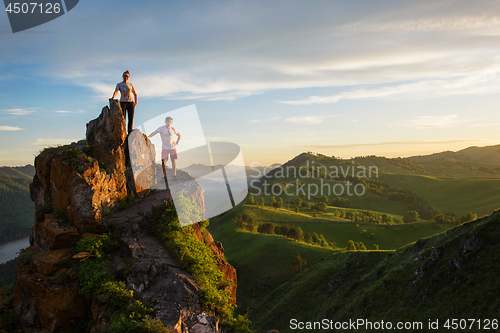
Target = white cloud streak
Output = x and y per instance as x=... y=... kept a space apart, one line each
x=19 y=112
x=428 y=122
x=69 y=112
x=477 y=84
x=10 y=128
x=48 y=142
x=311 y=120
x=265 y=120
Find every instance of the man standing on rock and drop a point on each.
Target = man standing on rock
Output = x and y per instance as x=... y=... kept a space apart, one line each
x=126 y=102
x=169 y=144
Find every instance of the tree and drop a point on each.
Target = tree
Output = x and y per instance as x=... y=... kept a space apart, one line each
x=261 y=201
x=245 y=217
x=308 y=238
x=315 y=238
x=296 y=209
x=251 y=224
x=360 y=246
x=280 y=201
x=340 y=202
x=250 y=200
x=333 y=243
x=266 y=228
x=298 y=201
x=272 y=200
x=298 y=263
x=375 y=247
x=323 y=241
x=439 y=218
x=410 y=216
x=295 y=233
x=468 y=217
x=351 y=246
x=240 y=222
x=386 y=218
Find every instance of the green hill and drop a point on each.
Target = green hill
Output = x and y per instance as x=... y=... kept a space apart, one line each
x=487 y=155
x=393 y=185
x=445 y=277
x=17 y=211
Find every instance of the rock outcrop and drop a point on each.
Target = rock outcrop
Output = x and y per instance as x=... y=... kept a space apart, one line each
x=84 y=179
x=75 y=189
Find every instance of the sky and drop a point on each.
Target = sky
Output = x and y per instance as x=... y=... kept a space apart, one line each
x=342 y=78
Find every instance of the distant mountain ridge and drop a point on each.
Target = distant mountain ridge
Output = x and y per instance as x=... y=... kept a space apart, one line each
x=487 y=154
x=20 y=171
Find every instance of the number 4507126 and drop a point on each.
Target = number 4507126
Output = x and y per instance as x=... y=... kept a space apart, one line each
x=33 y=7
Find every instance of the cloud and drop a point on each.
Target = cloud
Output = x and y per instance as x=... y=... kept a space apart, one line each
x=265 y=120
x=476 y=84
x=460 y=22
x=48 y=142
x=187 y=53
x=389 y=143
x=69 y=112
x=20 y=112
x=428 y=122
x=305 y=120
x=485 y=125
x=10 y=128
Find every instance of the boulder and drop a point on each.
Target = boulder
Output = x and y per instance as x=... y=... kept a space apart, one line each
x=49 y=235
x=142 y=156
x=46 y=263
x=47 y=302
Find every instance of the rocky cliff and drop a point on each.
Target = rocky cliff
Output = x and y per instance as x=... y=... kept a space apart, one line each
x=83 y=190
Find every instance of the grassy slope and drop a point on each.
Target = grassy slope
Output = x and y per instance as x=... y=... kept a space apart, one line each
x=263 y=262
x=387 y=238
x=452 y=275
x=479 y=196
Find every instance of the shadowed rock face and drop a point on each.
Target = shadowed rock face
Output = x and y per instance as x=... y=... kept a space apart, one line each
x=81 y=181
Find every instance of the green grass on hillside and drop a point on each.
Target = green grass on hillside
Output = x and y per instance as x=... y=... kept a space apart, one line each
x=263 y=262
x=452 y=275
x=386 y=237
x=479 y=196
